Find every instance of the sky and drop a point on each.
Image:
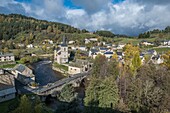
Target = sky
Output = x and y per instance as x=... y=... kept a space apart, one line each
x=129 y=17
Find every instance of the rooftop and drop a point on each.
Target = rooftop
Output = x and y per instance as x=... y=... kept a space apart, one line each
x=94 y=50
x=6 y=54
x=103 y=48
x=108 y=52
x=6 y=81
x=20 y=68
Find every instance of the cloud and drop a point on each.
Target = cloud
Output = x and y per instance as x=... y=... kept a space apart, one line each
x=129 y=17
x=92 y=6
x=10 y=6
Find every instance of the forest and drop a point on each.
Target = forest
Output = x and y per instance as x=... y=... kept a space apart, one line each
x=13 y=24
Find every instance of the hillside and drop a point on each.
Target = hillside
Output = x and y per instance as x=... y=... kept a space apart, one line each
x=13 y=24
x=27 y=30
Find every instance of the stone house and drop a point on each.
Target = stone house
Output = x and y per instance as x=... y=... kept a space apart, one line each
x=23 y=74
x=7 y=86
x=7 y=57
x=79 y=66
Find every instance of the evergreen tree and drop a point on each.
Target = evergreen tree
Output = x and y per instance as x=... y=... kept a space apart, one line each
x=67 y=93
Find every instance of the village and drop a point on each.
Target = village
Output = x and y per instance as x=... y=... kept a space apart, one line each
x=69 y=60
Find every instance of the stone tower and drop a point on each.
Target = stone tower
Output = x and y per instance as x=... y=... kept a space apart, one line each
x=61 y=54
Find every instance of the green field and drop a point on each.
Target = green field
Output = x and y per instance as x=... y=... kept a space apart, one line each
x=60 y=66
x=134 y=41
x=7 y=66
x=162 y=50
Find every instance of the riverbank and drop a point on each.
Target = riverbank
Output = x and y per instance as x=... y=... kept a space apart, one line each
x=64 y=73
x=60 y=68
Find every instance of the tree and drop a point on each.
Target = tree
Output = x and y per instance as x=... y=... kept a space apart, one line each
x=115 y=57
x=49 y=29
x=101 y=93
x=99 y=66
x=149 y=91
x=132 y=58
x=6 y=50
x=67 y=93
x=105 y=33
x=166 y=58
x=112 y=69
x=136 y=63
x=25 y=106
x=108 y=93
x=38 y=108
x=92 y=93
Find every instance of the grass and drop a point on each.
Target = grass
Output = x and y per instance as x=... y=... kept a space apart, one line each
x=162 y=50
x=60 y=66
x=5 y=107
x=8 y=66
x=134 y=41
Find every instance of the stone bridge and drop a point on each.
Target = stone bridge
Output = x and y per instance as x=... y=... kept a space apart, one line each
x=58 y=85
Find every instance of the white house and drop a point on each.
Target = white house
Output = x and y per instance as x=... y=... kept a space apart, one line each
x=120 y=46
x=74 y=69
x=71 y=42
x=7 y=86
x=30 y=46
x=82 y=48
x=93 y=53
x=146 y=43
x=142 y=57
x=157 y=59
x=80 y=66
x=87 y=41
x=21 y=45
x=93 y=39
x=48 y=41
x=61 y=53
x=108 y=54
x=7 y=57
x=165 y=43
x=23 y=74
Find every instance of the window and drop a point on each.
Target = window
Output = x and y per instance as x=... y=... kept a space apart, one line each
x=64 y=49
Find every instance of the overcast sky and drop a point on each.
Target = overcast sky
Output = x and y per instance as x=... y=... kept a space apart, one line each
x=129 y=17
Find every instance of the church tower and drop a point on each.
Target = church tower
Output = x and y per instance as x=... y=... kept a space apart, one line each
x=64 y=51
x=61 y=54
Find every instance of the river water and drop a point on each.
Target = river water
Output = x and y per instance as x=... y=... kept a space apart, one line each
x=45 y=74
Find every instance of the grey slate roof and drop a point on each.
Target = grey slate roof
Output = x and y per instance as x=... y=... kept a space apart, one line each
x=103 y=48
x=6 y=54
x=94 y=50
x=108 y=52
x=6 y=81
x=20 y=68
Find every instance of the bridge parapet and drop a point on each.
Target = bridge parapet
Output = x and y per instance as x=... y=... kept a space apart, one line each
x=58 y=85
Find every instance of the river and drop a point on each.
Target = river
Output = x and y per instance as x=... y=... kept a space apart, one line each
x=45 y=74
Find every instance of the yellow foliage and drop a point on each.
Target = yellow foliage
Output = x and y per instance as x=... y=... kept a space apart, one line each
x=166 y=58
x=115 y=57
